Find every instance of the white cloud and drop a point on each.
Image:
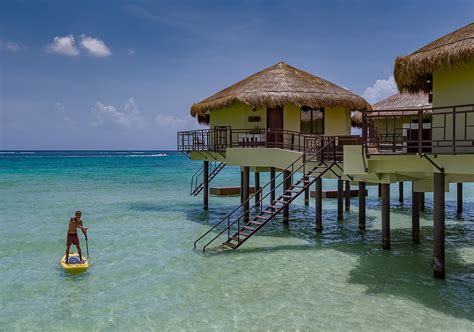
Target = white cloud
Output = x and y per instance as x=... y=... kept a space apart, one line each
x=131 y=51
x=95 y=47
x=9 y=46
x=128 y=117
x=63 y=45
x=166 y=121
x=380 y=90
x=60 y=110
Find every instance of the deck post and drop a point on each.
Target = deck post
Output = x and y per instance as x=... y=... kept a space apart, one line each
x=385 y=215
x=459 y=196
x=246 y=193
x=438 y=225
x=206 y=185
x=362 y=216
x=422 y=201
x=319 y=205
x=286 y=186
x=380 y=190
x=415 y=216
x=340 y=193
x=257 y=187
x=272 y=185
x=348 y=195
x=400 y=191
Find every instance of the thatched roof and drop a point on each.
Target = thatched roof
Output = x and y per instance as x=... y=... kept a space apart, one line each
x=413 y=72
x=409 y=102
x=279 y=85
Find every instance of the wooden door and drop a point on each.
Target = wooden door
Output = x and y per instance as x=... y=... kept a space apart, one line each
x=275 y=127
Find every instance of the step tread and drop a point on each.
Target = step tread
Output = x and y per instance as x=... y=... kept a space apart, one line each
x=256 y=222
x=230 y=245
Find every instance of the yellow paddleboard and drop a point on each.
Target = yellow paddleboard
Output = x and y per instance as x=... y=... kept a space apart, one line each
x=74 y=265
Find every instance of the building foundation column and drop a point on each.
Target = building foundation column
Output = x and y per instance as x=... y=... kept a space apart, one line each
x=385 y=216
x=459 y=197
x=415 y=216
x=400 y=191
x=362 y=212
x=206 y=185
x=257 y=187
x=286 y=186
x=438 y=225
x=319 y=205
x=348 y=195
x=340 y=194
x=272 y=185
x=422 y=201
x=246 y=191
x=306 y=191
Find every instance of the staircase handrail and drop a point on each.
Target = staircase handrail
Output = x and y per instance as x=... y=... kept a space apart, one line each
x=291 y=166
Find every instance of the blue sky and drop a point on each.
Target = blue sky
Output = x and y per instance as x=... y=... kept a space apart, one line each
x=123 y=74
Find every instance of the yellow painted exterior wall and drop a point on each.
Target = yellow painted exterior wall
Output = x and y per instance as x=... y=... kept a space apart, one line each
x=337 y=121
x=237 y=116
x=454 y=86
x=291 y=117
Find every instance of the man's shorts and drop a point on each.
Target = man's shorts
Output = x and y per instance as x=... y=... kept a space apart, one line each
x=72 y=239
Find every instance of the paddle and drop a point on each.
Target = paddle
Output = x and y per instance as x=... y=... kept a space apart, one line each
x=87 y=247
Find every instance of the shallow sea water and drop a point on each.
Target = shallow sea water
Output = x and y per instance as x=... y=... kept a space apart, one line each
x=144 y=274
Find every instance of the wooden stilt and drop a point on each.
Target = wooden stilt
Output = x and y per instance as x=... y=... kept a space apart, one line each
x=306 y=191
x=347 y=195
x=415 y=216
x=206 y=185
x=272 y=185
x=459 y=198
x=257 y=187
x=380 y=190
x=362 y=215
x=286 y=186
x=339 y=199
x=438 y=225
x=400 y=191
x=422 y=201
x=319 y=205
x=385 y=215
x=246 y=191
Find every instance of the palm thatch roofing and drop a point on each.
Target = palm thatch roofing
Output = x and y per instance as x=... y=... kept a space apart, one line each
x=400 y=104
x=279 y=85
x=413 y=72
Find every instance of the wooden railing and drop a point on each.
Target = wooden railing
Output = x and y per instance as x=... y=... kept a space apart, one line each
x=219 y=139
x=439 y=130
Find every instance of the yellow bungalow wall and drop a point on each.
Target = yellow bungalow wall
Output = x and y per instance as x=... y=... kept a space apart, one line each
x=454 y=86
x=337 y=119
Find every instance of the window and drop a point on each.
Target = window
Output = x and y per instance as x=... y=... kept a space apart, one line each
x=312 y=120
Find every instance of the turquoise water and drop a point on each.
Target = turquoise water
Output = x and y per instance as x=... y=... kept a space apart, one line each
x=144 y=274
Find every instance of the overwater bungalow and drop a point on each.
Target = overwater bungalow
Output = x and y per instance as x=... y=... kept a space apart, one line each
x=297 y=127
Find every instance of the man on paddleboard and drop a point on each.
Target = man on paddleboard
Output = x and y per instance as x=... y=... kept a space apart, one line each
x=72 y=237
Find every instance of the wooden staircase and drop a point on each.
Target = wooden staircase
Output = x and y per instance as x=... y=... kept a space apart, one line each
x=234 y=227
x=197 y=181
